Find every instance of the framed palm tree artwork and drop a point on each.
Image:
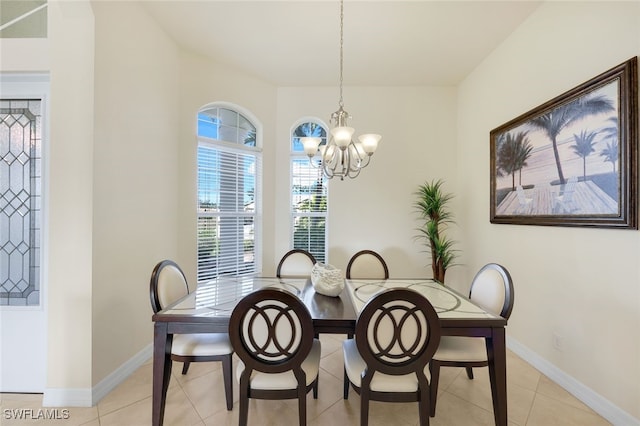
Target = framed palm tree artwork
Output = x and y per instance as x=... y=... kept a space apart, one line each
x=572 y=161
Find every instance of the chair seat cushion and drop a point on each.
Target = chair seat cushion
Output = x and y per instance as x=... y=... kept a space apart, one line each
x=201 y=344
x=355 y=366
x=286 y=380
x=462 y=349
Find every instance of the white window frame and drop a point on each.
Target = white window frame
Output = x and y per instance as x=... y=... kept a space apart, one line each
x=300 y=155
x=235 y=148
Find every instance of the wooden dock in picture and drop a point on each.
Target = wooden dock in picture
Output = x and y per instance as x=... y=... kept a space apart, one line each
x=587 y=199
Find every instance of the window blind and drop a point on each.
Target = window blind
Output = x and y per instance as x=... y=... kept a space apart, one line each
x=227 y=209
x=308 y=208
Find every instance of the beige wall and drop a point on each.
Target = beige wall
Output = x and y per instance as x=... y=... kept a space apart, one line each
x=375 y=211
x=70 y=190
x=205 y=82
x=136 y=176
x=582 y=284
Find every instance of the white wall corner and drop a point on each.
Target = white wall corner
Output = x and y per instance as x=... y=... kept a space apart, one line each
x=593 y=400
x=62 y=397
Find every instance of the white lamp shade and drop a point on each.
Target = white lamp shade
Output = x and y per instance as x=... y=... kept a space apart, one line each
x=310 y=145
x=369 y=142
x=342 y=135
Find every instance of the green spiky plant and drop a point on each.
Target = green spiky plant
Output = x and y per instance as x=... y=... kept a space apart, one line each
x=432 y=205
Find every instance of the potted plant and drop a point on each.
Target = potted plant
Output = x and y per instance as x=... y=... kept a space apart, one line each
x=432 y=205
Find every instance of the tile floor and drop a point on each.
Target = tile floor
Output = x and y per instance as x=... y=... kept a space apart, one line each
x=197 y=399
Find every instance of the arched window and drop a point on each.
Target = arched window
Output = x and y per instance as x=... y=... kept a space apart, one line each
x=229 y=191
x=308 y=194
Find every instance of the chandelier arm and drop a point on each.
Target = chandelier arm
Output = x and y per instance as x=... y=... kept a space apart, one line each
x=355 y=161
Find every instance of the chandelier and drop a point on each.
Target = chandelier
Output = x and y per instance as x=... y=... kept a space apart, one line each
x=341 y=156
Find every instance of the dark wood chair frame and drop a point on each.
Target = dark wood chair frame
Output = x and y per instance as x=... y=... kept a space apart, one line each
x=507 y=307
x=415 y=361
x=276 y=361
x=367 y=252
x=187 y=360
x=291 y=252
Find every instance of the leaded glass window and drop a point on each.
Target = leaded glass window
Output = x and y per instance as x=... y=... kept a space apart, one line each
x=20 y=201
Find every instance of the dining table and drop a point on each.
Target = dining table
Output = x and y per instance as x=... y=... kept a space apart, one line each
x=209 y=307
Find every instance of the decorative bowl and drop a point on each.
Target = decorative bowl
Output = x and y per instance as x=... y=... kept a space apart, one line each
x=327 y=279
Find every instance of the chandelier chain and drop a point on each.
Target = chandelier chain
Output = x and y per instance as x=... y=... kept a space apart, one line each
x=340 y=155
x=341 y=103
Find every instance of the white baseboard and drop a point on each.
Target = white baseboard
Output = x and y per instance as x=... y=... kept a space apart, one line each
x=64 y=397
x=599 y=404
x=54 y=397
x=110 y=382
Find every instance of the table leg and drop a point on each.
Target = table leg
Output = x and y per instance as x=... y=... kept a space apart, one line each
x=161 y=370
x=497 y=356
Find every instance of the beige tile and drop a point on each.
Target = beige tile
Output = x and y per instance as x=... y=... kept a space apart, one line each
x=519 y=403
x=454 y=411
x=476 y=391
x=553 y=390
x=135 y=388
x=26 y=409
x=550 y=412
x=333 y=364
x=347 y=413
x=331 y=343
x=447 y=376
x=196 y=369
x=521 y=373
x=179 y=412
x=342 y=413
x=197 y=399
x=330 y=391
x=206 y=393
x=261 y=413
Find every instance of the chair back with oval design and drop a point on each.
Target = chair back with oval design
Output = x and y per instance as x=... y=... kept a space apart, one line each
x=397 y=333
x=271 y=331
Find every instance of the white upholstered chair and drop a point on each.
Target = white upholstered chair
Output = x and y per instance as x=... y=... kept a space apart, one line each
x=491 y=288
x=272 y=333
x=367 y=264
x=295 y=263
x=397 y=333
x=168 y=284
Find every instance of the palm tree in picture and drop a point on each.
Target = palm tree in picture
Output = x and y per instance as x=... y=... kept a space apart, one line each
x=610 y=153
x=513 y=153
x=556 y=120
x=584 y=148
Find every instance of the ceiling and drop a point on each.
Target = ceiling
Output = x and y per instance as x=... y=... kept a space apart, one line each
x=386 y=43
